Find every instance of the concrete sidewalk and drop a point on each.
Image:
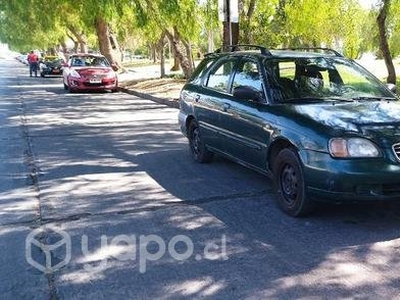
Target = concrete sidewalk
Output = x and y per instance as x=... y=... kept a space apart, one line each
x=145 y=82
x=165 y=91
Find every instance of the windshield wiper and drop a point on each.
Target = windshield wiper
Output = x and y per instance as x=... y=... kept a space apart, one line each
x=373 y=98
x=341 y=99
x=302 y=100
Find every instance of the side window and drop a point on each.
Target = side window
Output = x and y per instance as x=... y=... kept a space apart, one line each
x=281 y=75
x=219 y=77
x=248 y=75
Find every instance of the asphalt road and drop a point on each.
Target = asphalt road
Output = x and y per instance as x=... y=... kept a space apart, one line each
x=99 y=199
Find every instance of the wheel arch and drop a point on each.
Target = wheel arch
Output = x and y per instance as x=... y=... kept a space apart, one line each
x=189 y=120
x=276 y=146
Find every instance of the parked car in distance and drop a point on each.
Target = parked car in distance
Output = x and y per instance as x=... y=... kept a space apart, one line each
x=322 y=126
x=51 y=65
x=22 y=58
x=89 y=72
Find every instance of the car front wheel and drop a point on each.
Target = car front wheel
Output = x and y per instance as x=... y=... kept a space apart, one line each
x=197 y=148
x=289 y=182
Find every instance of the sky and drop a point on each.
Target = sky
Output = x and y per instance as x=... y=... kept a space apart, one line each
x=367 y=3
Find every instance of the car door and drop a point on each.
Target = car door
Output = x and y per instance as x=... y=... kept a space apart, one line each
x=242 y=121
x=209 y=99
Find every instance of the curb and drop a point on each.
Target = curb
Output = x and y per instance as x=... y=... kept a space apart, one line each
x=165 y=101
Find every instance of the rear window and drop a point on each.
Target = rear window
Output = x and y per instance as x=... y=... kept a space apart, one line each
x=201 y=69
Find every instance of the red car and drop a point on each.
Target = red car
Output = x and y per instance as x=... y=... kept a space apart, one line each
x=89 y=72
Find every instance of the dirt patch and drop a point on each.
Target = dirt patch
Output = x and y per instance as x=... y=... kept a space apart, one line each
x=164 y=87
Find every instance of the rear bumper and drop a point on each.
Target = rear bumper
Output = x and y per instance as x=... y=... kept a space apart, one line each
x=182 y=117
x=51 y=72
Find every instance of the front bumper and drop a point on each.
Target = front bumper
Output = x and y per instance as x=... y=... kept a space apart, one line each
x=105 y=84
x=350 y=179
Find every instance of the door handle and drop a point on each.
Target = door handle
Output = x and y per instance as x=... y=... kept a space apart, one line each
x=226 y=106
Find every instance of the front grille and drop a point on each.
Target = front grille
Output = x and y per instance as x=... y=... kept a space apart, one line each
x=396 y=150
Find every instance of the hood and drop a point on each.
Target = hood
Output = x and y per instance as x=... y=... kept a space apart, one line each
x=83 y=71
x=378 y=120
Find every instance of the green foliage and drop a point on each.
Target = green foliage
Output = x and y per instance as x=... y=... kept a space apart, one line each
x=341 y=24
x=258 y=23
x=325 y=23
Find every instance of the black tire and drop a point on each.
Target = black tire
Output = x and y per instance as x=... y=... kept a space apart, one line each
x=197 y=148
x=289 y=184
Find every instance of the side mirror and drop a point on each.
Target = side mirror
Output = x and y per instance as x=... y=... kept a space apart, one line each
x=244 y=92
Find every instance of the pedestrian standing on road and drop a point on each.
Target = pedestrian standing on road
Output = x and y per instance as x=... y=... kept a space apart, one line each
x=33 y=61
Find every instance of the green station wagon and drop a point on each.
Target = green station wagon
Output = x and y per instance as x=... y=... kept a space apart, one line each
x=323 y=127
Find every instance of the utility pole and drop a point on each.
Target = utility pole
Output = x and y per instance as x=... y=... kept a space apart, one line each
x=229 y=15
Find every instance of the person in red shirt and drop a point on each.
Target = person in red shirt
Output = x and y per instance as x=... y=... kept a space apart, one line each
x=33 y=61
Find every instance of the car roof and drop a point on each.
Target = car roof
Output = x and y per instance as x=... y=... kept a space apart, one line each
x=260 y=51
x=86 y=54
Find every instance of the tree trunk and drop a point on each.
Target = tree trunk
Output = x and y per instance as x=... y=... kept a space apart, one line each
x=154 y=53
x=160 y=48
x=64 y=49
x=188 y=49
x=75 y=48
x=383 y=42
x=176 y=65
x=178 y=53
x=80 y=38
x=108 y=44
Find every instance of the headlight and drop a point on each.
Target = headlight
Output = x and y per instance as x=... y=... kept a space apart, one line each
x=110 y=75
x=74 y=73
x=353 y=147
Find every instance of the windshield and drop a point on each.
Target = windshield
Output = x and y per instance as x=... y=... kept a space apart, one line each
x=323 y=79
x=87 y=61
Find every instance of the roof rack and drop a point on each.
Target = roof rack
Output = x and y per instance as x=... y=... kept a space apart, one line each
x=328 y=50
x=233 y=48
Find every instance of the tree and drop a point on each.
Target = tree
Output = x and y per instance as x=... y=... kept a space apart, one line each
x=383 y=41
x=257 y=22
x=175 y=19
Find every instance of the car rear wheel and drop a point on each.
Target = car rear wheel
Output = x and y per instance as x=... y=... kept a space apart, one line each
x=289 y=184
x=197 y=148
